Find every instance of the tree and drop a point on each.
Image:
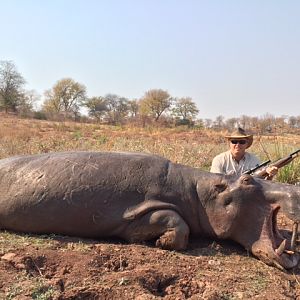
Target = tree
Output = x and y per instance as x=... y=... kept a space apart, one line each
x=28 y=102
x=97 y=107
x=267 y=123
x=254 y=123
x=133 y=108
x=219 y=122
x=280 y=124
x=185 y=109
x=117 y=108
x=11 y=83
x=292 y=121
x=208 y=123
x=155 y=102
x=66 y=96
x=245 y=122
x=298 y=122
x=231 y=123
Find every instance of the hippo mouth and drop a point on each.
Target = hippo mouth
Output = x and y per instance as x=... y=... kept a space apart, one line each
x=272 y=247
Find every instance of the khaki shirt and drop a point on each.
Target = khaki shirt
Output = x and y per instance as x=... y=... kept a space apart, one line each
x=224 y=163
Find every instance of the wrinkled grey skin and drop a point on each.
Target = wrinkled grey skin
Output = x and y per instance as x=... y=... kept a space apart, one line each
x=139 y=197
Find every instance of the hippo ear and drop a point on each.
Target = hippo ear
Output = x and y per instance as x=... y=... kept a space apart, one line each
x=220 y=187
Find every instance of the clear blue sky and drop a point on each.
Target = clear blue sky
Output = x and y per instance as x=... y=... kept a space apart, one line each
x=232 y=57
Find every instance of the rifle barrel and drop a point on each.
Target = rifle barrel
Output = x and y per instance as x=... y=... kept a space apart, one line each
x=250 y=171
x=296 y=152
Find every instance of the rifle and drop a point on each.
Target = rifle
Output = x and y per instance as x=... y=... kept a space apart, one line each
x=278 y=163
x=251 y=171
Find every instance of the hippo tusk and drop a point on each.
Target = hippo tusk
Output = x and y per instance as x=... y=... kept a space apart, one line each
x=279 y=266
x=294 y=236
x=281 y=247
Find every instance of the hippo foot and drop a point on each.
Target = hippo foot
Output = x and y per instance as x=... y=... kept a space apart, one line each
x=166 y=226
x=172 y=240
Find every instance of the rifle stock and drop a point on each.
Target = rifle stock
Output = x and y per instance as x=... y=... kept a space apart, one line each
x=278 y=163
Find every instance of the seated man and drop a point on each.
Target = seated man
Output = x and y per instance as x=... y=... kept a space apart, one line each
x=237 y=160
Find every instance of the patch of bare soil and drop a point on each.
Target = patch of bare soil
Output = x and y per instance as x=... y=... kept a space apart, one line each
x=68 y=268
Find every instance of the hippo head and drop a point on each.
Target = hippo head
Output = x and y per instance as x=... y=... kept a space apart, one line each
x=244 y=209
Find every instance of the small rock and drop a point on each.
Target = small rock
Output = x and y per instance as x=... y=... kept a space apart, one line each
x=8 y=256
x=239 y=295
x=123 y=281
x=214 y=262
x=20 y=266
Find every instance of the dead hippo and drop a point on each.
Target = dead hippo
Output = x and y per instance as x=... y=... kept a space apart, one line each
x=139 y=197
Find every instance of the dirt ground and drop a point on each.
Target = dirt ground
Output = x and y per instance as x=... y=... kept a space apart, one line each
x=57 y=267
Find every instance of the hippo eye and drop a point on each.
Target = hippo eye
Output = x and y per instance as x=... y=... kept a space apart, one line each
x=247 y=180
x=221 y=187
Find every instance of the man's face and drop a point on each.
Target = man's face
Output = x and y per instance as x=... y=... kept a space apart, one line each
x=238 y=147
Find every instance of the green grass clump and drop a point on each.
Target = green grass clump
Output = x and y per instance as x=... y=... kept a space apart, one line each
x=42 y=292
x=290 y=173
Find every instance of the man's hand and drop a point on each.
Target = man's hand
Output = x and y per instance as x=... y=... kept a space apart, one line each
x=272 y=171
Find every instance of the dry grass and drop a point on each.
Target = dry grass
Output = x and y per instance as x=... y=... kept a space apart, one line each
x=191 y=147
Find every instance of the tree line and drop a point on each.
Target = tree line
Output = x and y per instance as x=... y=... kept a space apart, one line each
x=67 y=99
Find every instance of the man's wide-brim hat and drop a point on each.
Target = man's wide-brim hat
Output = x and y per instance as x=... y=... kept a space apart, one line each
x=240 y=133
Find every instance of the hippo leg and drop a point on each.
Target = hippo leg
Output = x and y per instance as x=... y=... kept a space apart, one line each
x=166 y=225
